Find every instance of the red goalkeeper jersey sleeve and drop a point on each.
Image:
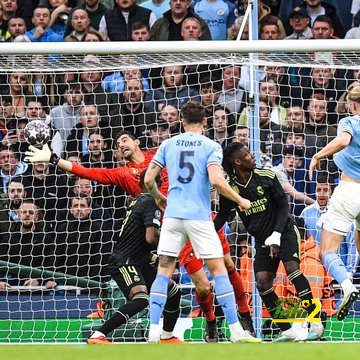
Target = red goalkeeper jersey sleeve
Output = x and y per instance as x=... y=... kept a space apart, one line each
x=126 y=177
x=122 y=177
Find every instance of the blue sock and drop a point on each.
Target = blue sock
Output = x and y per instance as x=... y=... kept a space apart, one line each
x=158 y=297
x=225 y=296
x=335 y=266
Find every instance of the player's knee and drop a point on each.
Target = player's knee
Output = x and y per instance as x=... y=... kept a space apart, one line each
x=264 y=283
x=264 y=286
x=136 y=290
x=291 y=266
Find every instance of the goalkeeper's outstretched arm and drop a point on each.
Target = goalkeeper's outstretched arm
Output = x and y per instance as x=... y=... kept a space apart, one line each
x=121 y=177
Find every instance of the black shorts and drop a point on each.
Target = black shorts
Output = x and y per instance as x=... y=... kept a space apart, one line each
x=289 y=251
x=129 y=276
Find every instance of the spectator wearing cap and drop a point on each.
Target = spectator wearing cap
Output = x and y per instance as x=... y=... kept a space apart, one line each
x=117 y=23
x=315 y=8
x=95 y=10
x=299 y=21
x=159 y=132
x=41 y=32
x=291 y=159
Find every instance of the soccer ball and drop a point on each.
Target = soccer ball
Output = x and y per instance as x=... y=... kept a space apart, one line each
x=37 y=133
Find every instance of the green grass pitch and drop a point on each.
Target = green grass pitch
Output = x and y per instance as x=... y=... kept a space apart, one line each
x=265 y=351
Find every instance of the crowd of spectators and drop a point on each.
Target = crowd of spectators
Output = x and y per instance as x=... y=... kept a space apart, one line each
x=46 y=212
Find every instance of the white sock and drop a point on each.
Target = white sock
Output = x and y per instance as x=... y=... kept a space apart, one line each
x=96 y=335
x=236 y=330
x=347 y=285
x=166 y=335
x=154 y=330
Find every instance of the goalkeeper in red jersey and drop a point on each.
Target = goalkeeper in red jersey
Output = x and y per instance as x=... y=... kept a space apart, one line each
x=127 y=178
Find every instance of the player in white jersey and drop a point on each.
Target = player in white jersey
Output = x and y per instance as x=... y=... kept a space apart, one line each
x=194 y=163
x=344 y=206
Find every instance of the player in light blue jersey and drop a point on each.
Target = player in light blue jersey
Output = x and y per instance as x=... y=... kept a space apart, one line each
x=193 y=163
x=344 y=206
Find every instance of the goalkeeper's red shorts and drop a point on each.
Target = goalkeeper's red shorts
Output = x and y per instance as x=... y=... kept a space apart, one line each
x=191 y=263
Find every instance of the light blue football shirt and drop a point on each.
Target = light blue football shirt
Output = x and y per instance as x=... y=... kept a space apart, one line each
x=187 y=157
x=348 y=159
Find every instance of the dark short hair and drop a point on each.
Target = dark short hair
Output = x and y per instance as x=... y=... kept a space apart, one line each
x=213 y=82
x=324 y=18
x=293 y=131
x=295 y=150
x=16 y=179
x=269 y=20
x=326 y=178
x=193 y=112
x=88 y=199
x=39 y=99
x=72 y=85
x=139 y=25
x=229 y=154
x=125 y=132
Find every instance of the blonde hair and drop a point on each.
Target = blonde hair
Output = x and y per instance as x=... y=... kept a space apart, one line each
x=354 y=94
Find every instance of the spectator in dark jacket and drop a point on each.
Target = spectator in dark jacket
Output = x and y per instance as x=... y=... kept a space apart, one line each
x=82 y=244
x=169 y=26
x=26 y=244
x=117 y=23
x=95 y=10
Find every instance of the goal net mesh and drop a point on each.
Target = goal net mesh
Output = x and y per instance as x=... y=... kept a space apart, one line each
x=58 y=230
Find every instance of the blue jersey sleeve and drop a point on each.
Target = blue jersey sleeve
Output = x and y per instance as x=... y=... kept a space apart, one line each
x=346 y=125
x=159 y=158
x=215 y=155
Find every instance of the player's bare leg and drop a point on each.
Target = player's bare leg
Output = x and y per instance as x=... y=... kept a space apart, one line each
x=225 y=296
x=205 y=299
x=240 y=295
x=329 y=245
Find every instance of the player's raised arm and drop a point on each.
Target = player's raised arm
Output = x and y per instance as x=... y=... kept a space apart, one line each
x=340 y=142
x=35 y=155
x=218 y=181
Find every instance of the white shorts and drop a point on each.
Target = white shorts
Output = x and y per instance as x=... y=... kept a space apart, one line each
x=203 y=237
x=343 y=209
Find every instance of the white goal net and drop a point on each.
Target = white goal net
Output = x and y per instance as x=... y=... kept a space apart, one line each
x=58 y=230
